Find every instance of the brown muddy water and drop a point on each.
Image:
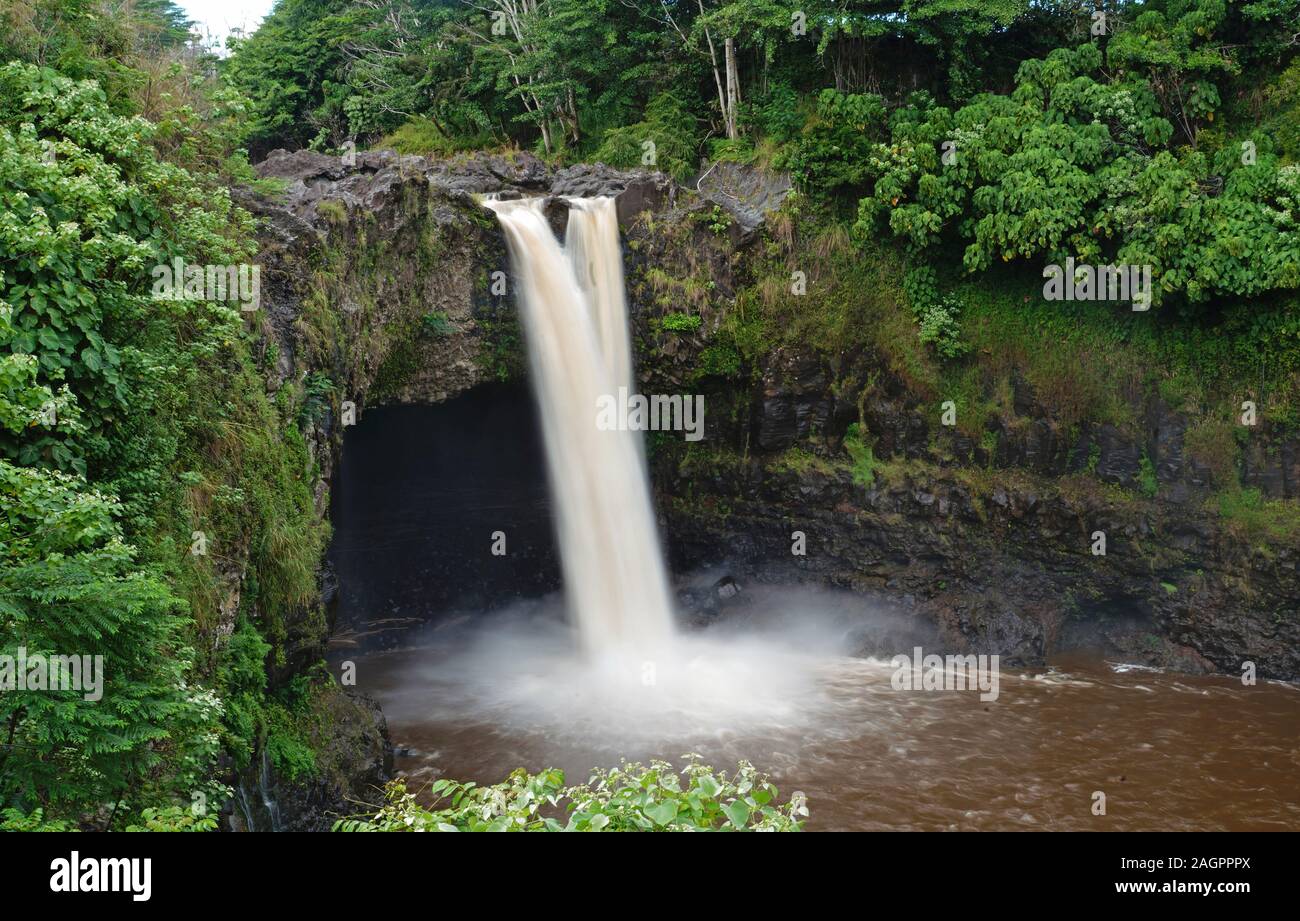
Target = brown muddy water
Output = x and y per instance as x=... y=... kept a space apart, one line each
x=477 y=697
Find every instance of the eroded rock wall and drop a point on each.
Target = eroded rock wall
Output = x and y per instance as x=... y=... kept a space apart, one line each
x=994 y=539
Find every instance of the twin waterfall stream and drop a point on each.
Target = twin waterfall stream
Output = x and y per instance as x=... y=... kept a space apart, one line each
x=575 y=322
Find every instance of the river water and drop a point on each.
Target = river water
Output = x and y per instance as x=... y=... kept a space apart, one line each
x=475 y=698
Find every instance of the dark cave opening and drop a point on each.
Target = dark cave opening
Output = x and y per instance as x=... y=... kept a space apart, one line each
x=420 y=495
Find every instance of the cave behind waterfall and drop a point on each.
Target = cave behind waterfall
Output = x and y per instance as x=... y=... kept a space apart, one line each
x=419 y=494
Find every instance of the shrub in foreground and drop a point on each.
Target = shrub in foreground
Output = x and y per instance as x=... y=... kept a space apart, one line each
x=631 y=797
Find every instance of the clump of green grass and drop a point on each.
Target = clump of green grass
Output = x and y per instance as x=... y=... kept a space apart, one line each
x=1249 y=512
x=1213 y=443
x=1147 y=480
x=680 y=323
x=334 y=211
x=436 y=324
x=864 y=460
x=800 y=461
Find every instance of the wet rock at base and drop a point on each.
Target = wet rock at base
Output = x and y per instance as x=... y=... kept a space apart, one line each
x=726 y=588
x=703 y=606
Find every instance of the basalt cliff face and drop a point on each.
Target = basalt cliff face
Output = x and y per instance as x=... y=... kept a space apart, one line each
x=997 y=543
x=384 y=281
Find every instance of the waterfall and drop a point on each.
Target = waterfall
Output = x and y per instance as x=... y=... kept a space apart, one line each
x=268 y=804
x=575 y=324
x=591 y=240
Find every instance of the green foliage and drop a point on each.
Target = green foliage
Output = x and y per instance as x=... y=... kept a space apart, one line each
x=595 y=79
x=864 y=459
x=936 y=314
x=939 y=327
x=719 y=360
x=501 y=354
x=335 y=212
x=242 y=675
x=853 y=301
x=422 y=137
x=436 y=324
x=1282 y=119
x=69 y=586
x=1072 y=163
x=112 y=371
x=835 y=152
x=1251 y=514
x=1147 y=481
x=778 y=113
x=719 y=221
x=666 y=139
x=799 y=461
x=84 y=41
x=261 y=720
x=289 y=68
x=317 y=391
x=126 y=422
x=79 y=240
x=680 y=323
x=17 y=820
x=438 y=77
x=174 y=818
x=631 y=797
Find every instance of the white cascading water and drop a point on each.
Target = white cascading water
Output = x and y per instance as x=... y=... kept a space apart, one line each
x=591 y=241
x=575 y=324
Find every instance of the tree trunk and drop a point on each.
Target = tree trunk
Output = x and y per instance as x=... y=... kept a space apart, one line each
x=575 y=126
x=838 y=56
x=733 y=87
x=717 y=81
